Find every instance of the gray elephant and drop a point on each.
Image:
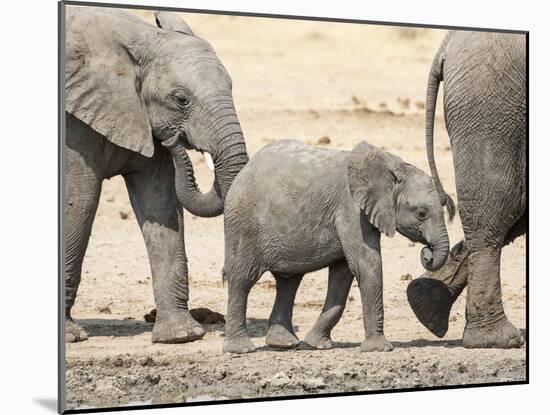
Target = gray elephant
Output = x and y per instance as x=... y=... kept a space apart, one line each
x=137 y=98
x=295 y=209
x=485 y=113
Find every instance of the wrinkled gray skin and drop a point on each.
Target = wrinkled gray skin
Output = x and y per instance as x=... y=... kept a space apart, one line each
x=485 y=113
x=138 y=96
x=295 y=209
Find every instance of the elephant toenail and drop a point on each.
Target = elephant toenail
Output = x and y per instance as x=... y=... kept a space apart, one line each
x=198 y=331
x=182 y=334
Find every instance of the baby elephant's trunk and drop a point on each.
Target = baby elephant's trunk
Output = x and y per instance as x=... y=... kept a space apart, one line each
x=433 y=257
x=432 y=295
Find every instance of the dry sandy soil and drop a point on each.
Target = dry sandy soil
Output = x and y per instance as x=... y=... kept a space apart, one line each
x=302 y=80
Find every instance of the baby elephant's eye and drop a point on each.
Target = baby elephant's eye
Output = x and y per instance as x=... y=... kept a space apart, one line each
x=422 y=213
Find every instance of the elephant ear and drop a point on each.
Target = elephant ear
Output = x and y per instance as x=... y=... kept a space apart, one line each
x=372 y=174
x=171 y=21
x=102 y=80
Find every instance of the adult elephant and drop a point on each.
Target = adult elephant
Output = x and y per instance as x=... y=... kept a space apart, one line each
x=137 y=98
x=485 y=114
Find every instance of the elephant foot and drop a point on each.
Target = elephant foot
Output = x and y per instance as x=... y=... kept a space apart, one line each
x=240 y=344
x=281 y=338
x=500 y=335
x=73 y=332
x=178 y=327
x=431 y=302
x=319 y=341
x=376 y=343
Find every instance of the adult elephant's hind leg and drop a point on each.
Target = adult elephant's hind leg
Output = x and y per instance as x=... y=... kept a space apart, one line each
x=488 y=213
x=340 y=278
x=281 y=333
x=486 y=323
x=153 y=198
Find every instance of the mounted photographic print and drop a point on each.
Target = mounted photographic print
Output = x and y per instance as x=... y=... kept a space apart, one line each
x=257 y=207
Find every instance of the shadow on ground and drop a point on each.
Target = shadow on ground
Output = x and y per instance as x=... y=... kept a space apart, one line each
x=123 y=328
x=117 y=328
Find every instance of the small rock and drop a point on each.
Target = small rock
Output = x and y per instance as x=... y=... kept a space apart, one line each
x=154 y=378
x=279 y=380
x=110 y=199
x=404 y=102
x=104 y=310
x=203 y=315
x=406 y=277
x=147 y=361
x=222 y=373
x=129 y=318
x=206 y=316
x=130 y=381
x=324 y=140
x=462 y=367
x=123 y=215
x=411 y=244
x=314 y=384
x=151 y=316
x=452 y=318
x=420 y=105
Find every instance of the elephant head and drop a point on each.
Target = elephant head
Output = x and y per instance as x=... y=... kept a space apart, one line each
x=398 y=196
x=134 y=82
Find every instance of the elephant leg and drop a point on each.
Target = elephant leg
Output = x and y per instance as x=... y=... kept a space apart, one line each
x=486 y=322
x=432 y=295
x=239 y=284
x=340 y=278
x=82 y=191
x=281 y=333
x=361 y=246
x=152 y=194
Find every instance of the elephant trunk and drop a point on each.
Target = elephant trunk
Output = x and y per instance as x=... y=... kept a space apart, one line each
x=229 y=156
x=432 y=295
x=433 y=257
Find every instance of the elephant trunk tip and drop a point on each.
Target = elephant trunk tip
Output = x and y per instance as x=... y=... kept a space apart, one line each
x=433 y=259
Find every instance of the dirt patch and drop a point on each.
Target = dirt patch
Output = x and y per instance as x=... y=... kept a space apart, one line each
x=154 y=378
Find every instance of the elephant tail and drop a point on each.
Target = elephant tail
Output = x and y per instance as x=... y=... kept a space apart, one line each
x=434 y=79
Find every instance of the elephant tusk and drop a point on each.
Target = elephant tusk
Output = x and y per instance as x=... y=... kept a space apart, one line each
x=209 y=161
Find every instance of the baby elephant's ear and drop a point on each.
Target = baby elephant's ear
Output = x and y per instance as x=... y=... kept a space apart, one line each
x=371 y=179
x=171 y=21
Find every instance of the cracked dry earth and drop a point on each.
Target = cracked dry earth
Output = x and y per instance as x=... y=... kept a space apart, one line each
x=356 y=88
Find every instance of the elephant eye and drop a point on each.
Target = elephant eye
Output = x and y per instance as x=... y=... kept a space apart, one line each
x=422 y=213
x=182 y=101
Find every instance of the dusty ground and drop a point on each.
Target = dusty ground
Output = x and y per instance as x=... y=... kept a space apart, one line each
x=302 y=80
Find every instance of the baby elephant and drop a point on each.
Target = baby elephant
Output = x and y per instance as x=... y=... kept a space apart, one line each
x=295 y=209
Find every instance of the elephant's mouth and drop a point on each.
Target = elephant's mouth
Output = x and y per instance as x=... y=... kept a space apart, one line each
x=182 y=139
x=413 y=234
